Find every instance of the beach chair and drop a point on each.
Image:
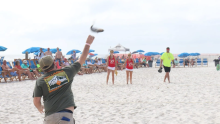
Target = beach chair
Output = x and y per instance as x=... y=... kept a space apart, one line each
x=15 y=75
x=181 y=62
x=2 y=76
x=72 y=62
x=2 y=59
x=93 y=61
x=33 y=66
x=199 y=62
x=6 y=77
x=157 y=63
x=205 y=62
x=103 y=61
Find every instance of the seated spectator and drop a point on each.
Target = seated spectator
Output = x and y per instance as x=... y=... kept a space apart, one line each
x=192 y=62
x=176 y=62
x=87 y=70
x=65 y=63
x=136 y=64
x=120 y=65
x=24 y=71
x=93 y=66
x=26 y=66
x=8 y=71
x=186 y=62
x=101 y=65
x=145 y=62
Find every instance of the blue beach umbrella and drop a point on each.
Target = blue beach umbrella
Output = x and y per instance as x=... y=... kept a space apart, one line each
x=54 y=50
x=161 y=53
x=140 y=51
x=156 y=53
x=116 y=52
x=2 y=48
x=71 y=51
x=192 y=54
x=90 y=50
x=198 y=54
x=182 y=55
x=149 y=54
x=31 y=50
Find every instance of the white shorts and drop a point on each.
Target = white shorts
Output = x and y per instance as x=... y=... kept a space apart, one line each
x=111 y=68
x=129 y=69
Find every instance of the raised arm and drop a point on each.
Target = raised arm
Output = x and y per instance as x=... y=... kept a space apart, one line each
x=86 y=49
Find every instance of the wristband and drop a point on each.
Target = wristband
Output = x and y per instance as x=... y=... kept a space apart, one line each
x=88 y=44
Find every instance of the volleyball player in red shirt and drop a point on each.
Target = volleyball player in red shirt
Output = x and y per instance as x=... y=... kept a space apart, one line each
x=129 y=63
x=112 y=65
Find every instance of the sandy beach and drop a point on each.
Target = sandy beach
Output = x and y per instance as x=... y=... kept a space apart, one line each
x=192 y=97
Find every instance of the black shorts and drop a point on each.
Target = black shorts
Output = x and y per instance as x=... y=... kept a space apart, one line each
x=167 y=69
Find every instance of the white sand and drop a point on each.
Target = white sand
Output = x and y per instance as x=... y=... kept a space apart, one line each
x=193 y=97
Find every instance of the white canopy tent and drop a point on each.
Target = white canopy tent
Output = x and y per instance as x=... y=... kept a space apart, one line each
x=119 y=47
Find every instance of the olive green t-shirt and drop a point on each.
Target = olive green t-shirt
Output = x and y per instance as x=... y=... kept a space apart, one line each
x=167 y=58
x=55 y=87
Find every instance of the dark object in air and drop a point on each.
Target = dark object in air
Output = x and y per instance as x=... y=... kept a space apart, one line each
x=96 y=29
x=160 y=70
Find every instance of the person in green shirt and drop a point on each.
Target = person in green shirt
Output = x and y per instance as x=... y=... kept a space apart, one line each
x=55 y=88
x=25 y=66
x=166 y=59
x=145 y=62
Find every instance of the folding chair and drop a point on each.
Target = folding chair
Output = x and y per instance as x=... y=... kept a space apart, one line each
x=157 y=63
x=199 y=62
x=205 y=62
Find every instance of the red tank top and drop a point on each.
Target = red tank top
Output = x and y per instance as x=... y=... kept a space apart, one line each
x=111 y=62
x=129 y=64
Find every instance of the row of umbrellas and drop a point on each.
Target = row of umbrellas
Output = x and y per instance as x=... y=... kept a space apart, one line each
x=156 y=53
x=36 y=50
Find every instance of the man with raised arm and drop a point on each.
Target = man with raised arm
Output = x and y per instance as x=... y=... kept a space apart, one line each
x=55 y=87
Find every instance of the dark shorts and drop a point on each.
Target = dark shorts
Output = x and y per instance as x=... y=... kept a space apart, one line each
x=167 y=69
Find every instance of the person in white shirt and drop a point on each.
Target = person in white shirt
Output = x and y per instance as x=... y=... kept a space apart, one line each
x=100 y=65
x=93 y=66
x=36 y=57
x=41 y=54
x=73 y=55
